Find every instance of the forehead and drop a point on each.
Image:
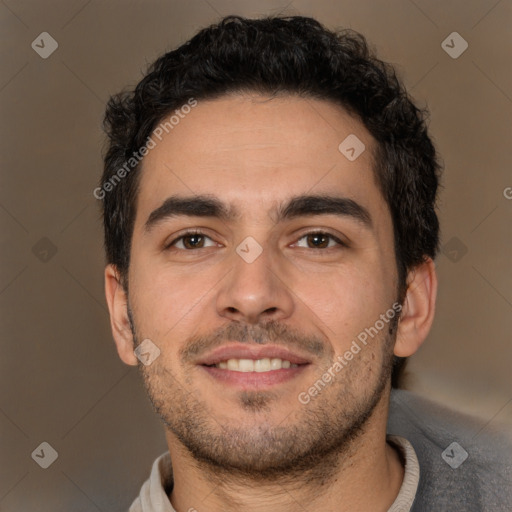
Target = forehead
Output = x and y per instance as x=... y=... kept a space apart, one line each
x=254 y=152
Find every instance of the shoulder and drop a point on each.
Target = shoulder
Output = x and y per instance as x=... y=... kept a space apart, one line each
x=464 y=463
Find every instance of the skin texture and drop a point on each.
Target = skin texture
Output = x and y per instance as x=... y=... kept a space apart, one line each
x=258 y=447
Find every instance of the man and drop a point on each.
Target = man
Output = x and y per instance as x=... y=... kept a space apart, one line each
x=269 y=209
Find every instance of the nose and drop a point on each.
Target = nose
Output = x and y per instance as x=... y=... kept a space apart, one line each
x=255 y=291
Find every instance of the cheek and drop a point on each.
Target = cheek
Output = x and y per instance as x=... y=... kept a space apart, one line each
x=346 y=301
x=166 y=302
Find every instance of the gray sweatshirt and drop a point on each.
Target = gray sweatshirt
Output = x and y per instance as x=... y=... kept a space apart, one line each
x=465 y=465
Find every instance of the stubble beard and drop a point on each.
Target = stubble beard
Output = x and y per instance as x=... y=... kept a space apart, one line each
x=318 y=436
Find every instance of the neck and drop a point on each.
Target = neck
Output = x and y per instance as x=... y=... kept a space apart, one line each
x=365 y=474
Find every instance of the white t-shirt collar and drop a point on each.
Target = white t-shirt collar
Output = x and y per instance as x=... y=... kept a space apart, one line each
x=153 y=494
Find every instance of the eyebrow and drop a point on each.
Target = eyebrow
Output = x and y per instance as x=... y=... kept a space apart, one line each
x=299 y=206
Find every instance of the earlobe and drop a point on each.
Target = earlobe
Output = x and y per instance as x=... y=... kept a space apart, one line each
x=418 y=309
x=117 y=301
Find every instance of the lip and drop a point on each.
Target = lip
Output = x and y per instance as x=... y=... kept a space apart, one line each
x=253 y=380
x=238 y=351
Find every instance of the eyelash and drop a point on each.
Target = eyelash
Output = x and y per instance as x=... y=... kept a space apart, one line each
x=193 y=232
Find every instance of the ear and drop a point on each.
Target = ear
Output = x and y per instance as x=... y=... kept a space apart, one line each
x=117 y=301
x=418 y=309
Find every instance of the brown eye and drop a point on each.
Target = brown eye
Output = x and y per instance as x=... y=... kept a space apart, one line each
x=319 y=240
x=191 y=241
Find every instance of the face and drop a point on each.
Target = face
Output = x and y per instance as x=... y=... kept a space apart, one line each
x=260 y=256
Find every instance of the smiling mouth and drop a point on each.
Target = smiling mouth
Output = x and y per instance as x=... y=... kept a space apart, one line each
x=254 y=374
x=263 y=365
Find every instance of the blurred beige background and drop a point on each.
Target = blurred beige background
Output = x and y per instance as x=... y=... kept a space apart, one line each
x=61 y=380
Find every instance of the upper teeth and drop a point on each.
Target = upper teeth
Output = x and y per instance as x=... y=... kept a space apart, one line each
x=258 y=365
